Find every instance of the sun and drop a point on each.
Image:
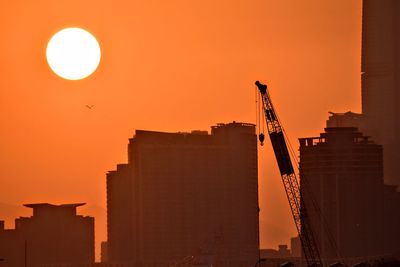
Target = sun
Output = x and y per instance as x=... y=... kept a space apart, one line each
x=73 y=53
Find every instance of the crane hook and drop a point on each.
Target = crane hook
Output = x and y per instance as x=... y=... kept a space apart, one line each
x=261 y=137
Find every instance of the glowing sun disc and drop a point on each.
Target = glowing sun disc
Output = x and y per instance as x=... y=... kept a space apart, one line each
x=73 y=53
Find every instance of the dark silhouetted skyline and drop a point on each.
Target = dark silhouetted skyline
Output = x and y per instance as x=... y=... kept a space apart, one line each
x=168 y=66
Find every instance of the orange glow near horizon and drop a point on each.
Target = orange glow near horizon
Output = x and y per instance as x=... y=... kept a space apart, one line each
x=168 y=66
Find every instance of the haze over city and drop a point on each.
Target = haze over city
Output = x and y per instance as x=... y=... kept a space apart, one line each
x=168 y=66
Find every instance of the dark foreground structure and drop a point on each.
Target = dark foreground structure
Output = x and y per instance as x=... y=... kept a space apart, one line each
x=53 y=236
x=358 y=217
x=186 y=198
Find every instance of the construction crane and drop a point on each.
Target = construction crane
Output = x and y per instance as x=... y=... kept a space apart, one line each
x=289 y=179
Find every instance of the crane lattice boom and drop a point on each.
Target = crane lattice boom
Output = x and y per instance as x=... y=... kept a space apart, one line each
x=289 y=179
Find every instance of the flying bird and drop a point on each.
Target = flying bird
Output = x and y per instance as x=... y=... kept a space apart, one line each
x=89 y=106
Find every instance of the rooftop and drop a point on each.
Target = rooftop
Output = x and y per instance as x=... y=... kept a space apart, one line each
x=48 y=205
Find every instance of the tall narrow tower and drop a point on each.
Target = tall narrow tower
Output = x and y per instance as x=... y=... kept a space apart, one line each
x=381 y=79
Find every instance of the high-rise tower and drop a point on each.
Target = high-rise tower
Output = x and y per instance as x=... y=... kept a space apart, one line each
x=381 y=80
x=342 y=173
x=186 y=197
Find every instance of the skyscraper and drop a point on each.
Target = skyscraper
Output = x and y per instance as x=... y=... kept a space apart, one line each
x=186 y=197
x=342 y=172
x=381 y=79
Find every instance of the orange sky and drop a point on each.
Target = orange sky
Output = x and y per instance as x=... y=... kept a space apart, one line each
x=173 y=65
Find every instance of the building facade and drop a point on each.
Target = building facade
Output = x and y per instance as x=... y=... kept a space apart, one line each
x=342 y=172
x=186 y=197
x=54 y=235
x=381 y=79
x=12 y=247
x=295 y=247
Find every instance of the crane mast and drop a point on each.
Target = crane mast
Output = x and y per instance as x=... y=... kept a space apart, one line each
x=289 y=179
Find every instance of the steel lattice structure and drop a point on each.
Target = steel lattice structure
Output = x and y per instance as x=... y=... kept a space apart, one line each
x=289 y=179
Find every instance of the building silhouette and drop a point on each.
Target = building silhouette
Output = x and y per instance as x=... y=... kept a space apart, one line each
x=355 y=185
x=381 y=80
x=53 y=236
x=357 y=216
x=104 y=252
x=186 y=197
x=12 y=247
x=295 y=247
x=282 y=252
x=346 y=119
x=280 y=257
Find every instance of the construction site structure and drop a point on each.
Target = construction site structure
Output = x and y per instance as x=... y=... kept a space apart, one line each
x=289 y=179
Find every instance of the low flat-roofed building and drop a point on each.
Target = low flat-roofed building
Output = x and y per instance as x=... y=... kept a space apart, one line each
x=55 y=234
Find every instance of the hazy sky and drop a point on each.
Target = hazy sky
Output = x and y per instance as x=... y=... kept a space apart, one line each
x=173 y=65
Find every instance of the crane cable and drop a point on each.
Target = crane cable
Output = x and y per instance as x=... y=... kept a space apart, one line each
x=277 y=127
x=317 y=209
x=259 y=113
